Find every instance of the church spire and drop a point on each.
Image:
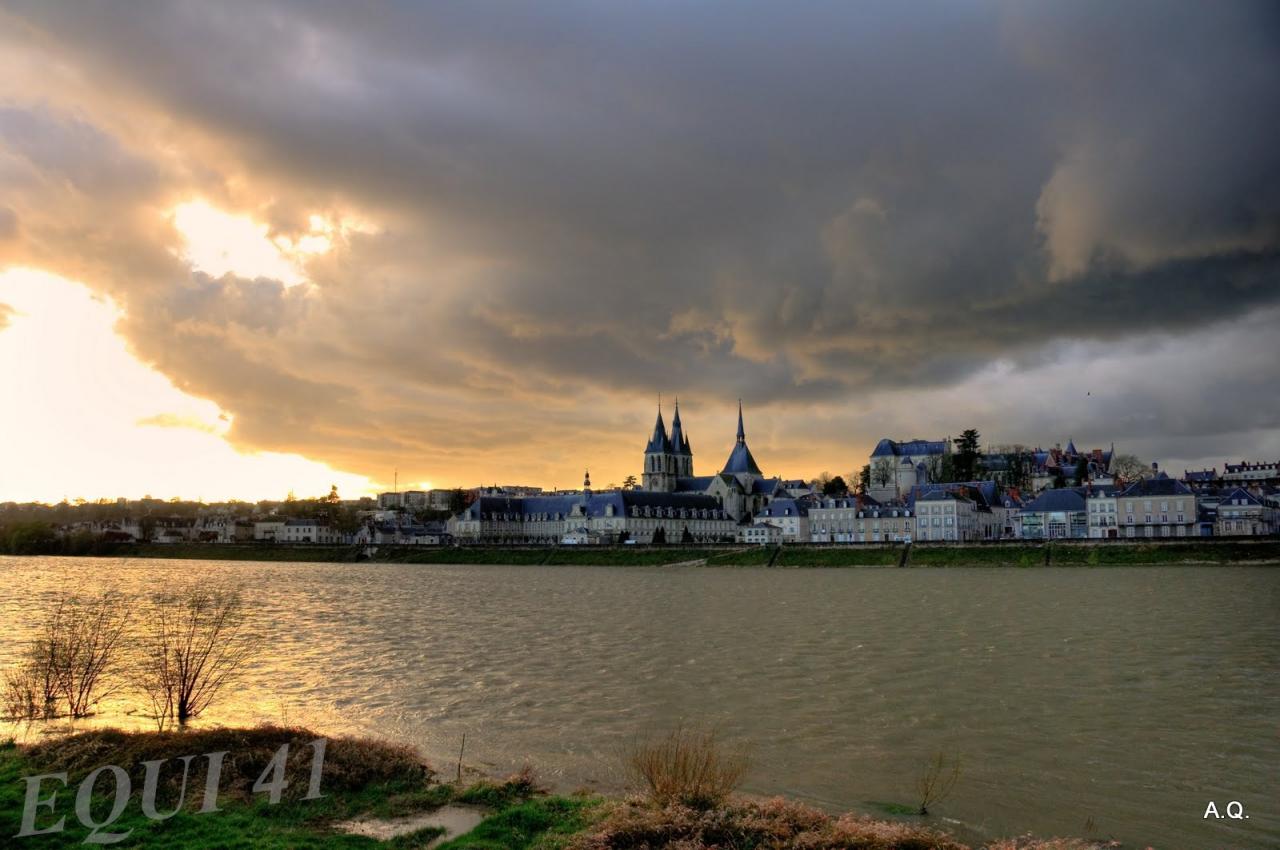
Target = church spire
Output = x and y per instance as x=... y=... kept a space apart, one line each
x=659 y=442
x=740 y=460
x=679 y=442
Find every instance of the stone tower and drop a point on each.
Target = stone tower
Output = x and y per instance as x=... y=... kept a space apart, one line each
x=666 y=458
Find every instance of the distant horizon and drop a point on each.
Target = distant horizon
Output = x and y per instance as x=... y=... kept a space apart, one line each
x=848 y=475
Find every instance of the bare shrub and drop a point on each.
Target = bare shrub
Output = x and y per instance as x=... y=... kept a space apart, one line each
x=937 y=780
x=195 y=643
x=1028 y=842
x=689 y=766
x=63 y=671
x=25 y=697
x=777 y=823
x=92 y=637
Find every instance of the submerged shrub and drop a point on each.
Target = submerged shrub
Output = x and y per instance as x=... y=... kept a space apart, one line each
x=687 y=766
x=63 y=670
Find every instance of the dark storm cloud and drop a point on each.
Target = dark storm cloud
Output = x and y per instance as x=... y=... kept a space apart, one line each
x=784 y=203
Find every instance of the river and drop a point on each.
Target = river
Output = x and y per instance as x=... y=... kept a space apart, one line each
x=1092 y=702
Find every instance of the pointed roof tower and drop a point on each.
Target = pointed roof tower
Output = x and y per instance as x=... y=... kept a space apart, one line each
x=740 y=459
x=679 y=442
x=659 y=443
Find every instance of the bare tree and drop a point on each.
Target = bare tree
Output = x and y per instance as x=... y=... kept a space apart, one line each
x=63 y=670
x=1129 y=468
x=936 y=780
x=92 y=641
x=196 y=642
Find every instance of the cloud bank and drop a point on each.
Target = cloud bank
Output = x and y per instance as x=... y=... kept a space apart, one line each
x=853 y=217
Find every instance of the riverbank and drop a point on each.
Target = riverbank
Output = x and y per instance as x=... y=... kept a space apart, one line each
x=1081 y=553
x=391 y=792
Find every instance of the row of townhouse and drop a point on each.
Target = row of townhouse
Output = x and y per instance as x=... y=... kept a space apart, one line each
x=931 y=512
x=1158 y=507
x=379 y=527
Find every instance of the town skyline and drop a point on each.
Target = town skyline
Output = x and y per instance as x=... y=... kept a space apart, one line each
x=242 y=254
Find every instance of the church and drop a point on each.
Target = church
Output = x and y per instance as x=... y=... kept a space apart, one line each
x=740 y=487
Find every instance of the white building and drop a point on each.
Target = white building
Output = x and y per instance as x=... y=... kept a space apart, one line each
x=790 y=517
x=1243 y=513
x=897 y=466
x=1102 y=510
x=953 y=515
x=307 y=531
x=1157 y=507
x=760 y=534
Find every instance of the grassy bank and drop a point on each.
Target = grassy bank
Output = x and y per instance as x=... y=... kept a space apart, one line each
x=361 y=779
x=1013 y=554
x=371 y=780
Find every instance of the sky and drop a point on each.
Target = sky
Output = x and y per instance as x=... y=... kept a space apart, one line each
x=248 y=248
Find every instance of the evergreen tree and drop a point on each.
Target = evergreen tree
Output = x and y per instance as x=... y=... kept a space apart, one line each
x=967 y=456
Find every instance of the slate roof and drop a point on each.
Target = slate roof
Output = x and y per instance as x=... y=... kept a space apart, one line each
x=780 y=508
x=1162 y=486
x=1059 y=499
x=679 y=440
x=987 y=492
x=698 y=483
x=560 y=507
x=767 y=486
x=913 y=448
x=659 y=443
x=740 y=460
x=1240 y=493
x=1246 y=466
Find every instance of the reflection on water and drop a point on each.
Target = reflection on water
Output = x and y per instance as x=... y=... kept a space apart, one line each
x=1131 y=697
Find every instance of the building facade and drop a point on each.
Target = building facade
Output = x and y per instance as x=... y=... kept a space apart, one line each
x=897 y=466
x=1242 y=513
x=612 y=517
x=1056 y=514
x=1158 y=507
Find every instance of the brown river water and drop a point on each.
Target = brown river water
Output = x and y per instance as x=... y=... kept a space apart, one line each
x=1091 y=702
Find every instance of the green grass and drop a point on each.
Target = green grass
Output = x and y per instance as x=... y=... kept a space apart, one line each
x=839 y=556
x=370 y=779
x=755 y=556
x=544 y=822
x=895 y=809
x=1139 y=554
x=1015 y=555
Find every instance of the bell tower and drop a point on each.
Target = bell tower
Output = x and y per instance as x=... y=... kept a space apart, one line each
x=660 y=458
